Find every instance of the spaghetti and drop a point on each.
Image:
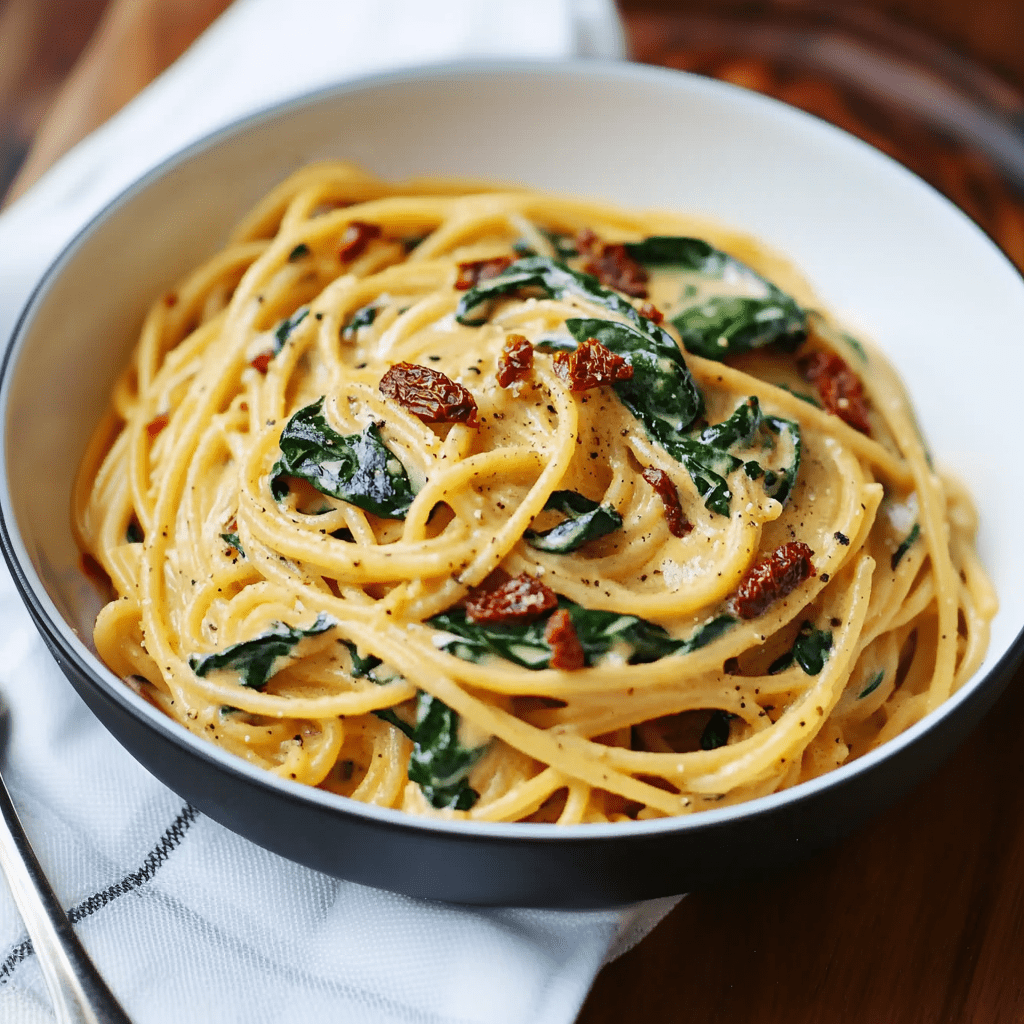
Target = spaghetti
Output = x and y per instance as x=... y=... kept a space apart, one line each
x=413 y=494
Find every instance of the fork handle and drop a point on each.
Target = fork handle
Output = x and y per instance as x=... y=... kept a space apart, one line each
x=78 y=993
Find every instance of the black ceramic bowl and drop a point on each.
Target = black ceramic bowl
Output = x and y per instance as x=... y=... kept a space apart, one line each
x=877 y=244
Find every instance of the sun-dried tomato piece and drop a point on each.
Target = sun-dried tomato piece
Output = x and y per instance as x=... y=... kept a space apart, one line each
x=357 y=237
x=428 y=394
x=611 y=264
x=520 y=599
x=768 y=581
x=678 y=524
x=651 y=311
x=472 y=272
x=839 y=388
x=566 y=649
x=590 y=365
x=516 y=360
x=157 y=423
x=262 y=361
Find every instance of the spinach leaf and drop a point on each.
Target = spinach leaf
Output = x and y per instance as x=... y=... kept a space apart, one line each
x=778 y=484
x=584 y=520
x=362 y=317
x=439 y=763
x=284 y=329
x=661 y=393
x=748 y=427
x=724 y=325
x=898 y=554
x=233 y=541
x=810 y=651
x=258 y=659
x=358 y=468
x=738 y=430
x=564 y=245
x=872 y=686
x=708 y=467
x=554 y=343
x=687 y=253
x=133 y=534
x=649 y=347
x=299 y=252
x=716 y=732
x=855 y=345
x=598 y=632
x=360 y=666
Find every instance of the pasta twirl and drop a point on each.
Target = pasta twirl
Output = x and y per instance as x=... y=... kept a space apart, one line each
x=496 y=505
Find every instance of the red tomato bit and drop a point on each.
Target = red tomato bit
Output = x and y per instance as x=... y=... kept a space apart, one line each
x=516 y=361
x=612 y=265
x=839 y=387
x=157 y=423
x=520 y=599
x=473 y=272
x=357 y=237
x=678 y=524
x=428 y=394
x=566 y=650
x=651 y=311
x=590 y=365
x=262 y=361
x=774 y=578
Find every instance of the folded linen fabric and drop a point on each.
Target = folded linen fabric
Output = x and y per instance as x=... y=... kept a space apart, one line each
x=187 y=921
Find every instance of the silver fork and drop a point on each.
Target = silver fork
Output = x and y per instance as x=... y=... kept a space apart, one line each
x=78 y=993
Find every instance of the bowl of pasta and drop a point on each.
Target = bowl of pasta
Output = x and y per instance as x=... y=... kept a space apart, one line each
x=569 y=518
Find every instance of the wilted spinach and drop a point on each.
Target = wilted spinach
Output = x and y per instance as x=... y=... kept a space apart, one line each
x=661 y=393
x=233 y=541
x=360 y=666
x=725 y=325
x=362 y=317
x=873 y=685
x=284 y=329
x=598 y=632
x=585 y=520
x=716 y=732
x=439 y=763
x=810 y=651
x=897 y=555
x=709 y=460
x=357 y=468
x=256 y=660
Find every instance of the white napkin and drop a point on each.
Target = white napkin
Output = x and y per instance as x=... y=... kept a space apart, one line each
x=187 y=921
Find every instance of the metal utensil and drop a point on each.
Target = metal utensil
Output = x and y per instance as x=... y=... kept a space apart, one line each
x=78 y=993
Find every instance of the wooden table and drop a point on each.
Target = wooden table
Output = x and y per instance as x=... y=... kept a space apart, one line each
x=920 y=916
